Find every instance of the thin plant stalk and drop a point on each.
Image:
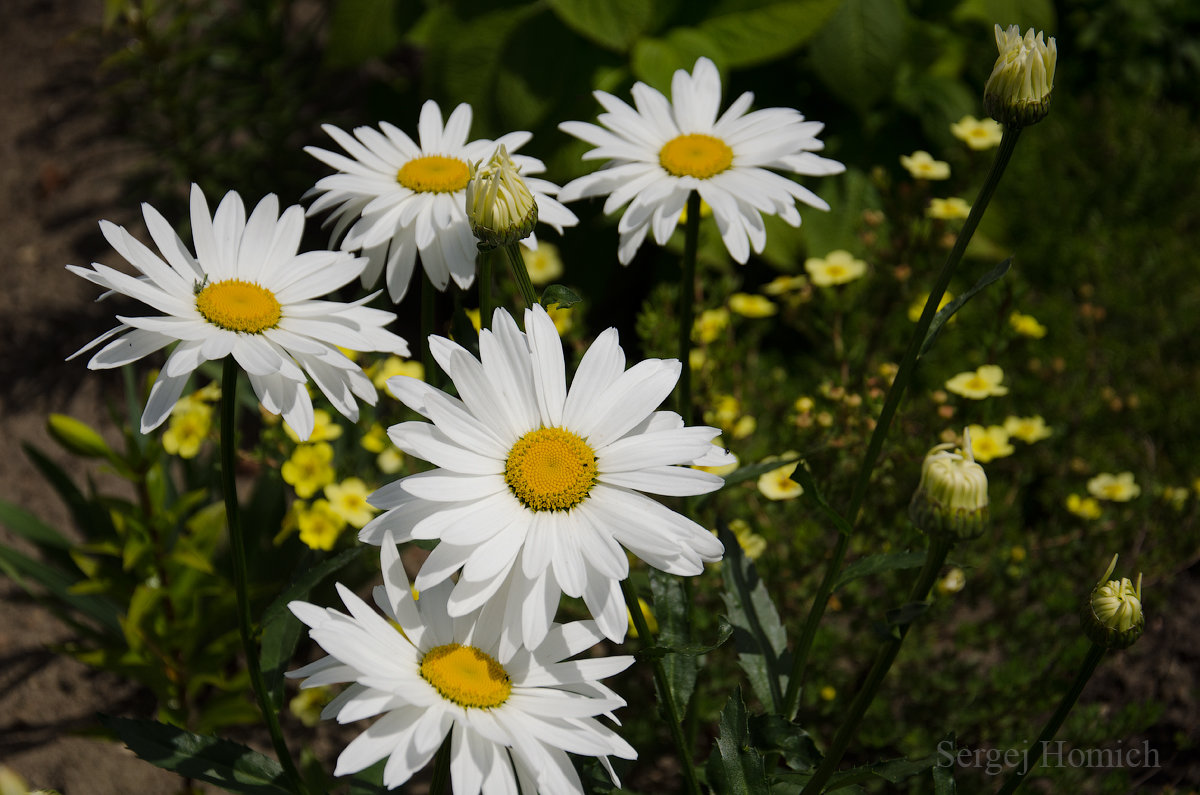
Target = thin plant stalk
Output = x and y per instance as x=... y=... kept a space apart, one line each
x=687 y=299
x=237 y=543
x=441 y=770
x=891 y=403
x=664 y=690
x=935 y=557
x=428 y=305
x=1086 y=669
x=485 y=290
x=520 y=273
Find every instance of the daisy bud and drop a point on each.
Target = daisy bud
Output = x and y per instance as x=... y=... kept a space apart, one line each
x=1018 y=92
x=1112 y=614
x=951 y=499
x=500 y=206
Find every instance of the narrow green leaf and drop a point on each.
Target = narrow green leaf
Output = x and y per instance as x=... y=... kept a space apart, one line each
x=947 y=311
x=58 y=584
x=558 y=295
x=758 y=634
x=873 y=564
x=736 y=768
x=906 y=614
x=893 y=771
x=802 y=476
x=28 y=526
x=613 y=24
x=752 y=471
x=226 y=764
x=89 y=518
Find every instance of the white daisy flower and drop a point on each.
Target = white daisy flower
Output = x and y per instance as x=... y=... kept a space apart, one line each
x=665 y=149
x=512 y=716
x=537 y=486
x=398 y=199
x=246 y=293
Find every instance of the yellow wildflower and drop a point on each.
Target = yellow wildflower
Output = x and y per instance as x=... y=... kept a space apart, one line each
x=563 y=318
x=750 y=305
x=375 y=440
x=976 y=133
x=324 y=428
x=348 y=500
x=1027 y=429
x=989 y=443
x=778 y=484
x=705 y=211
x=836 y=267
x=725 y=411
x=1017 y=554
x=709 y=326
x=917 y=307
x=544 y=265
x=309 y=469
x=697 y=359
x=784 y=284
x=320 y=525
x=752 y=544
x=1118 y=488
x=1083 y=507
x=1027 y=325
x=950 y=209
x=828 y=693
x=308 y=703
x=187 y=429
x=922 y=166
x=473 y=316
x=651 y=621
x=983 y=383
x=953 y=582
x=1175 y=496
x=390 y=461
x=744 y=426
x=804 y=404
x=394 y=365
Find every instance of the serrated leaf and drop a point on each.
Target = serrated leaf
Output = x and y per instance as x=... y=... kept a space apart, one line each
x=856 y=53
x=772 y=30
x=774 y=734
x=226 y=764
x=736 y=768
x=558 y=295
x=946 y=312
x=758 y=634
x=674 y=632
x=613 y=24
x=893 y=771
x=874 y=564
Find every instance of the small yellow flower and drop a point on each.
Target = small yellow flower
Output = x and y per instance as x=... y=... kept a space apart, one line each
x=651 y=621
x=950 y=209
x=977 y=133
x=752 y=544
x=709 y=326
x=324 y=428
x=473 y=316
x=989 y=443
x=828 y=693
x=309 y=469
x=390 y=461
x=348 y=500
x=836 y=267
x=1027 y=325
x=1083 y=507
x=917 y=307
x=983 y=383
x=375 y=440
x=309 y=702
x=744 y=426
x=697 y=359
x=750 y=305
x=320 y=525
x=804 y=404
x=544 y=264
x=1117 y=488
x=380 y=372
x=778 y=484
x=1017 y=554
x=922 y=165
x=1175 y=496
x=725 y=411
x=785 y=284
x=187 y=429
x=1027 y=429
x=705 y=211
x=563 y=318
x=952 y=582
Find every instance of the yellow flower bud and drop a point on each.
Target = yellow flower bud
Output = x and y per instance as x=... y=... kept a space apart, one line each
x=500 y=206
x=1112 y=613
x=952 y=497
x=1018 y=92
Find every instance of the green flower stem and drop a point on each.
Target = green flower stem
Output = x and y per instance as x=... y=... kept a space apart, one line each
x=687 y=299
x=935 y=557
x=485 y=290
x=428 y=304
x=521 y=273
x=891 y=403
x=1086 y=669
x=441 y=770
x=237 y=543
x=664 y=690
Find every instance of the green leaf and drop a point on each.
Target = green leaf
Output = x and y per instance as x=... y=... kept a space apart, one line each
x=811 y=493
x=31 y=528
x=78 y=437
x=93 y=521
x=752 y=471
x=226 y=764
x=58 y=584
x=671 y=605
x=613 y=24
x=856 y=53
x=360 y=30
x=758 y=634
x=873 y=564
x=904 y=615
x=893 y=771
x=775 y=734
x=655 y=61
x=736 y=768
x=947 y=311
x=770 y=31
x=558 y=295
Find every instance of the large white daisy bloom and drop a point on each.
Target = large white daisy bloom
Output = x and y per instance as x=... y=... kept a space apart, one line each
x=512 y=716
x=398 y=199
x=245 y=293
x=537 y=486
x=665 y=149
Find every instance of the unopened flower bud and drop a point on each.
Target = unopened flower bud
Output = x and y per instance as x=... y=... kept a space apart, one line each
x=500 y=206
x=1018 y=92
x=1112 y=614
x=951 y=500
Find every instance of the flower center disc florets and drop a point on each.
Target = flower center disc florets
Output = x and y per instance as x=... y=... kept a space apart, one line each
x=550 y=469
x=434 y=174
x=695 y=155
x=466 y=676
x=236 y=305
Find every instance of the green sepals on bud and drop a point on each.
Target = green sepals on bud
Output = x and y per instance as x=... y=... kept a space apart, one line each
x=951 y=500
x=1112 y=613
x=1018 y=92
x=500 y=206
x=78 y=437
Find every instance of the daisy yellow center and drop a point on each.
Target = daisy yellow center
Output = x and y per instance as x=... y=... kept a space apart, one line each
x=550 y=469
x=695 y=155
x=466 y=676
x=239 y=306
x=434 y=174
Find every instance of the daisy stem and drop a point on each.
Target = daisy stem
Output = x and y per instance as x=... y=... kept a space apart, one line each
x=237 y=543
x=441 y=770
x=485 y=290
x=1086 y=669
x=687 y=299
x=935 y=556
x=521 y=274
x=891 y=403
x=428 y=303
x=664 y=690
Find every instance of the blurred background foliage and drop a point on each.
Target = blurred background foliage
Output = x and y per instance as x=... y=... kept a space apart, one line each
x=1099 y=208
